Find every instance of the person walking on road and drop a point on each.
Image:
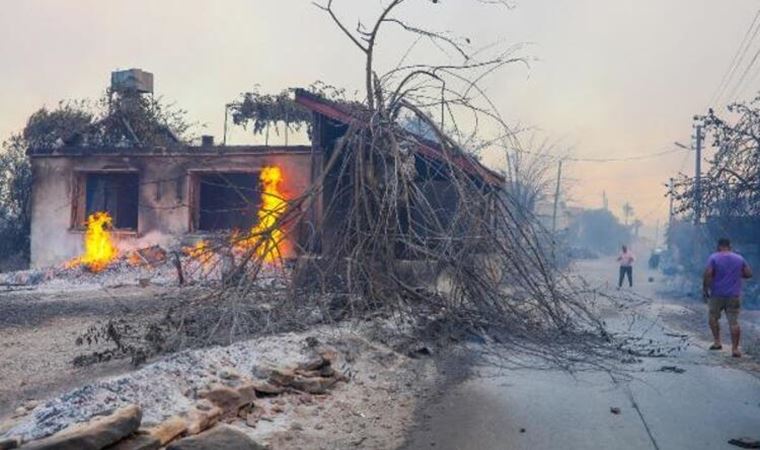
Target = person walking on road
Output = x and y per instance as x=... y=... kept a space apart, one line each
x=722 y=290
x=626 y=259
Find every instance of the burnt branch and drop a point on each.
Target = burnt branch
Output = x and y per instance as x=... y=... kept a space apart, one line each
x=412 y=229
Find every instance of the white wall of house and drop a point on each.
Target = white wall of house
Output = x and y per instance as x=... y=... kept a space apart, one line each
x=164 y=212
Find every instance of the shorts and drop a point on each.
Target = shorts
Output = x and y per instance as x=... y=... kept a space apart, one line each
x=731 y=305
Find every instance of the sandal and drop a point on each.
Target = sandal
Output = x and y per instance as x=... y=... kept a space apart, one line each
x=716 y=347
x=736 y=354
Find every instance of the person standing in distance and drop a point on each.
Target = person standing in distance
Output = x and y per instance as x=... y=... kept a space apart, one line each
x=626 y=259
x=722 y=289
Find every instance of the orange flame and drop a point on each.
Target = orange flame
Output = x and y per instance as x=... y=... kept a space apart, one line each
x=273 y=205
x=196 y=251
x=200 y=252
x=134 y=260
x=99 y=250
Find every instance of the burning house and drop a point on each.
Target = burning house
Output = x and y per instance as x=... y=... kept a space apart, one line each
x=163 y=192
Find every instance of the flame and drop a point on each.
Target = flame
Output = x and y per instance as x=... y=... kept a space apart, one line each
x=135 y=260
x=99 y=250
x=266 y=237
x=203 y=257
x=273 y=205
x=200 y=252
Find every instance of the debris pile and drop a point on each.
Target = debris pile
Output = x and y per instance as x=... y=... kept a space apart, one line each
x=181 y=396
x=745 y=442
x=121 y=430
x=153 y=265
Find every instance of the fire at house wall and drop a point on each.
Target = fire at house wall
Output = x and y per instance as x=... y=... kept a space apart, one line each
x=169 y=198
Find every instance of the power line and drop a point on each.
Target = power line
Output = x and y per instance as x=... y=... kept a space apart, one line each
x=736 y=89
x=737 y=59
x=753 y=80
x=665 y=198
x=607 y=160
x=629 y=158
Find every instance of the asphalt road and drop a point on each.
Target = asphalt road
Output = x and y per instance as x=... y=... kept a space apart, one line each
x=716 y=398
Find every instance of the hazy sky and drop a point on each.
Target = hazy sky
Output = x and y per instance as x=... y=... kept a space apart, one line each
x=612 y=78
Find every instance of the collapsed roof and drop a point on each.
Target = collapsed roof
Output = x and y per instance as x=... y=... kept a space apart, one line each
x=425 y=147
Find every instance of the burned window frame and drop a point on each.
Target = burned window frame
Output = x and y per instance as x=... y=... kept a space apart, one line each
x=79 y=199
x=194 y=193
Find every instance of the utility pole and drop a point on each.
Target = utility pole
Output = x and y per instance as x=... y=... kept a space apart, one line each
x=657 y=234
x=627 y=212
x=671 y=193
x=671 y=186
x=698 y=178
x=556 y=199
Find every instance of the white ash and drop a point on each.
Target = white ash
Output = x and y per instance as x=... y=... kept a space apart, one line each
x=121 y=273
x=58 y=279
x=164 y=388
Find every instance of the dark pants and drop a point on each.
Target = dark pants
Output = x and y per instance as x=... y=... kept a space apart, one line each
x=626 y=270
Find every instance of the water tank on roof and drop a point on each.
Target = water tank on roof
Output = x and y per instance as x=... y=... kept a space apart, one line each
x=132 y=80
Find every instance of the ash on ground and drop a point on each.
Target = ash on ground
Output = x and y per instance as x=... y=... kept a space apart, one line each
x=373 y=409
x=158 y=268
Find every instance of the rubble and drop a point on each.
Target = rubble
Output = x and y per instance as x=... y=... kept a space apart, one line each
x=745 y=442
x=138 y=441
x=168 y=430
x=164 y=389
x=190 y=392
x=218 y=438
x=8 y=444
x=120 y=431
x=265 y=388
x=60 y=279
x=141 y=267
x=215 y=404
x=153 y=256
x=201 y=418
x=96 y=434
x=228 y=400
x=672 y=369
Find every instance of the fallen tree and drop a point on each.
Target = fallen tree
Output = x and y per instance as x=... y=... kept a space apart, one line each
x=390 y=252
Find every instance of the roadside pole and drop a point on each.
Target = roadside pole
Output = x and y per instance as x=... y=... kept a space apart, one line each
x=657 y=234
x=554 y=213
x=556 y=199
x=698 y=178
x=670 y=213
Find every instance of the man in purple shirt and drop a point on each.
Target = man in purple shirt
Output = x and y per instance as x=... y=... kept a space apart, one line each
x=722 y=288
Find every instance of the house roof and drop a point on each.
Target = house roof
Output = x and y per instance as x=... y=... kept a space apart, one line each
x=183 y=150
x=425 y=147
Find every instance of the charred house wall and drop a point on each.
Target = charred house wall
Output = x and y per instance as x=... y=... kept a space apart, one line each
x=156 y=198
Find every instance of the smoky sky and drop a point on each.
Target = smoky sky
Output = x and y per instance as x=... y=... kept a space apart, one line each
x=607 y=79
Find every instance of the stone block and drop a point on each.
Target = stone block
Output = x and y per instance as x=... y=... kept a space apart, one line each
x=218 y=438
x=98 y=433
x=199 y=420
x=169 y=429
x=139 y=441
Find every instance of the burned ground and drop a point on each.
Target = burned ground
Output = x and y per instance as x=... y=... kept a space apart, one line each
x=38 y=333
x=372 y=409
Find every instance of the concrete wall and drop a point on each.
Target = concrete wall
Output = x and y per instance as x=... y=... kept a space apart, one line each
x=164 y=194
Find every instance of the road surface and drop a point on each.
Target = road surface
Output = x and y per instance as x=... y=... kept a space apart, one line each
x=715 y=399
